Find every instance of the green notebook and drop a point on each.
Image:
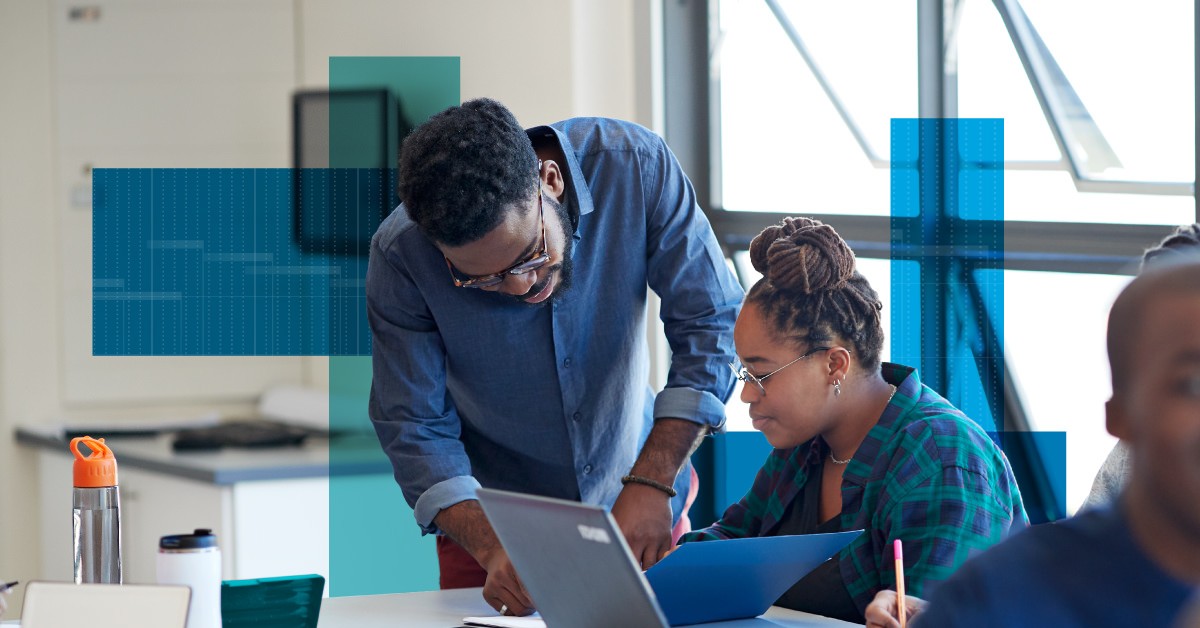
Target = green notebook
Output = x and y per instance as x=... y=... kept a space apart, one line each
x=286 y=602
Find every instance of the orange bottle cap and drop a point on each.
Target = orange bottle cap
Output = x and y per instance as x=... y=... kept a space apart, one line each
x=98 y=469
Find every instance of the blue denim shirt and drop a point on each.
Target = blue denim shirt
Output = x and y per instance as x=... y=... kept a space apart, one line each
x=475 y=388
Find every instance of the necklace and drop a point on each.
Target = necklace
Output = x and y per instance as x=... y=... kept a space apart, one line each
x=834 y=459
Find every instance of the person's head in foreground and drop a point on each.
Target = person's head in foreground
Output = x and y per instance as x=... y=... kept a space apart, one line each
x=859 y=444
x=1134 y=564
x=471 y=181
x=1182 y=244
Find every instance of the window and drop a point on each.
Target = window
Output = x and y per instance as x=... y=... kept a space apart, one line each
x=803 y=108
x=1098 y=103
x=1127 y=111
x=786 y=144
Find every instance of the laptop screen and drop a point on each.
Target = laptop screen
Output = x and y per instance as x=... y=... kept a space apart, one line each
x=573 y=560
x=55 y=604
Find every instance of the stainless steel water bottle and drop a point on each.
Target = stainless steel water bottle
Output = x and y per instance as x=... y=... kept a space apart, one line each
x=96 y=513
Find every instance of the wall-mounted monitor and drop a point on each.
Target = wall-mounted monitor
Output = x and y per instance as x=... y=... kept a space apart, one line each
x=345 y=145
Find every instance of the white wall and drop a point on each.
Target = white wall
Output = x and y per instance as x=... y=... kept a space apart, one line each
x=29 y=338
x=546 y=59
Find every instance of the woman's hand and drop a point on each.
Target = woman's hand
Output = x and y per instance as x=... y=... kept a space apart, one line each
x=882 y=611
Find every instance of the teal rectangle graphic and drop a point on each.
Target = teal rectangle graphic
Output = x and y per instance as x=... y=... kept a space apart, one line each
x=375 y=545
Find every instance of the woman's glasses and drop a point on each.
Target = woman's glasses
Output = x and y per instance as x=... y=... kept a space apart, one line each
x=740 y=372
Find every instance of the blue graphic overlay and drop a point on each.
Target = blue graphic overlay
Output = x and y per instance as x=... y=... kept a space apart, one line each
x=947 y=224
x=203 y=262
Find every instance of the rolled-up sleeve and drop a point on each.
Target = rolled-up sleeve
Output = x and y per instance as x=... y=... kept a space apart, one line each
x=414 y=417
x=443 y=495
x=700 y=295
x=695 y=405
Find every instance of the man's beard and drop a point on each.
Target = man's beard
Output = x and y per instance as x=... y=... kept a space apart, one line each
x=564 y=270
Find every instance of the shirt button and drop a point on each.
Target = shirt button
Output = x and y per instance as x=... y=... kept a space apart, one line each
x=577 y=416
x=567 y=362
x=587 y=469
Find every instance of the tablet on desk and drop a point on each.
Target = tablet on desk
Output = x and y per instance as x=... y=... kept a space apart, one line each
x=735 y=578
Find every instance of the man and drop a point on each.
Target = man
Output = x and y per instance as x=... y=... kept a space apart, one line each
x=507 y=301
x=1110 y=479
x=1135 y=563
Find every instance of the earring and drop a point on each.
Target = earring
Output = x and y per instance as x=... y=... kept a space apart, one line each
x=837 y=388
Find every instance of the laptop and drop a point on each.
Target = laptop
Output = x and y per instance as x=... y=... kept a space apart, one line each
x=57 y=604
x=579 y=571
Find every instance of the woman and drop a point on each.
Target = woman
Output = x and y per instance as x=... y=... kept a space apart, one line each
x=858 y=444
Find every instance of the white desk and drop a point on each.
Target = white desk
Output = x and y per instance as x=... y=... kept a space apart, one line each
x=445 y=609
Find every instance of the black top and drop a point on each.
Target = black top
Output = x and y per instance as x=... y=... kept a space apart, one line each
x=202 y=538
x=822 y=591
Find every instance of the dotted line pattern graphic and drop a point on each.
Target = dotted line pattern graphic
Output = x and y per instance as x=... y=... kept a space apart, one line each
x=206 y=261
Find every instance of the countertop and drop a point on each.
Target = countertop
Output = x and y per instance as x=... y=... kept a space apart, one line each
x=354 y=454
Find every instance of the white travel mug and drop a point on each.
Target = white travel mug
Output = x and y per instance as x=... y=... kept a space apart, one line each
x=194 y=560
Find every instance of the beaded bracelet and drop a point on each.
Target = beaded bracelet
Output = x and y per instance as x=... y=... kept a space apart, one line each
x=637 y=479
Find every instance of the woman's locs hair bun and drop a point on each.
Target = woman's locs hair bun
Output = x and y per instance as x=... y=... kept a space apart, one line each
x=804 y=255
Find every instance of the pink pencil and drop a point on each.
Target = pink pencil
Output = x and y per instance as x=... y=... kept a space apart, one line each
x=898 y=550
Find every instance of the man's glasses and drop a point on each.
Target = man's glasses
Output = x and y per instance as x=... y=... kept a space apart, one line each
x=740 y=372
x=539 y=259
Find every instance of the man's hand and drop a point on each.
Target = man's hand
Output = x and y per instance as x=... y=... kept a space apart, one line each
x=468 y=526
x=503 y=589
x=644 y=514
x=882 y=611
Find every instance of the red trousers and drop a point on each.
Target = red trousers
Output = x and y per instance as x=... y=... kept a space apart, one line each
x=459 y=570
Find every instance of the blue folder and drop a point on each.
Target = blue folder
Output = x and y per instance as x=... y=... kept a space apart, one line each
x=736 y=578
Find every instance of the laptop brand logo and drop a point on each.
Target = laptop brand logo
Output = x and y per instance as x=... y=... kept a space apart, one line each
x=596 y=535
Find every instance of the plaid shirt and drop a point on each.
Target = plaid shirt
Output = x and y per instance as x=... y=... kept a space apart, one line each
x=925 y=474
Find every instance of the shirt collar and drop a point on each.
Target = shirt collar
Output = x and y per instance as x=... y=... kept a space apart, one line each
x=578 y=194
